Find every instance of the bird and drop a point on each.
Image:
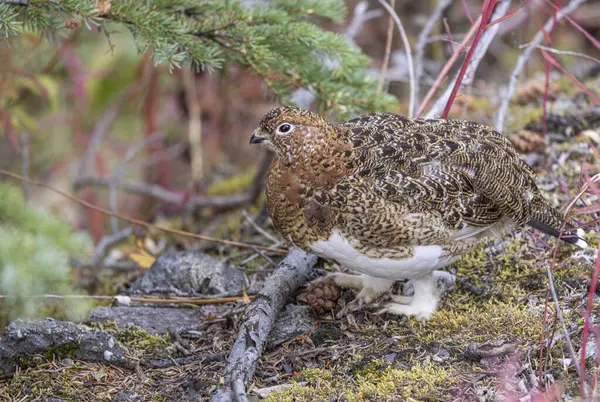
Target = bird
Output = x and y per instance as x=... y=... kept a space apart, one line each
x=396 y=198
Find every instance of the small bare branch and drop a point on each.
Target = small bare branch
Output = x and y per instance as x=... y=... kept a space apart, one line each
x=360 y=16
x=522 y=61
x=478 y=54
x=194 y=125
x=409 y=59
x=567 y=52
x=388 y=50
x=422 y=42
x=446 y=69
x=108 y=241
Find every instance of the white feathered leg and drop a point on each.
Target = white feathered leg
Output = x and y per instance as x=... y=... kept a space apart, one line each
x=371 y=288
x=427 y=294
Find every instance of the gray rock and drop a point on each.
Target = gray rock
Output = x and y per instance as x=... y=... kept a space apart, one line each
x=126 y=396
x=62 y=339
x=155 y=320
x=190 y=272
x=292 y=321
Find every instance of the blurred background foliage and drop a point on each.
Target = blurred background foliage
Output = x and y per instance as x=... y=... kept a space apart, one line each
x=99 y=94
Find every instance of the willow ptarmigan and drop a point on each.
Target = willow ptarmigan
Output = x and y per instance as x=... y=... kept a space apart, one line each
x=396 y=198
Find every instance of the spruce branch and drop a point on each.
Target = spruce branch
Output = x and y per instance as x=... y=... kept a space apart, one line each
x=278 y=41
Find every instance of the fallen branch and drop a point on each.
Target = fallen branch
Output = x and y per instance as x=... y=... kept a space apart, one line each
x=467 y=73
x=522 y=61
x=260 y=317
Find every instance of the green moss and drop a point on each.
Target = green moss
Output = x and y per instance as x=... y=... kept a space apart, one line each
x=43 y=384
x=376 y=381
x=481 y=322
x=520 y=115
x=134 y=336
x=233 y=185
x=136 y=340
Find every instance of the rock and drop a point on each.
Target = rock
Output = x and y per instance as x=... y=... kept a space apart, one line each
x=61 y=339
x=155 y=320
x=292 y=321
x=191 y=272
x=126 y=396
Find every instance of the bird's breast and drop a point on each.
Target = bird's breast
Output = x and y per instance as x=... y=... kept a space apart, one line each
x=401 y=263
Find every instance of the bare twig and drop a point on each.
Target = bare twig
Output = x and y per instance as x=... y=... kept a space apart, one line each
x=178 y=198
x=260 y=317
x=409 y=60
x=119 y=173
x=360 y=16
x=562 y=321
x=181 y=361
x=567 y=52
x=108 y=241
x=137 y=221
x=103 y=125
x=25 y=164
x=127 y=299
x=522 y=61
x=442 y=75
x=422 y=42
x=478 y=53
x=260 y=230
x=194 y=125
x=388 y=50
x=153 y=190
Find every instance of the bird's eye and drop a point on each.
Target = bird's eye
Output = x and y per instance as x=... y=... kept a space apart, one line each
x=285 y=128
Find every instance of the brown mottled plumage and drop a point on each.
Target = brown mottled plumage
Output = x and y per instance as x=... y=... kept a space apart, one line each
x=384 y=187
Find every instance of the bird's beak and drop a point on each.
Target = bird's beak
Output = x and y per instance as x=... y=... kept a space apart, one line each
x=256 y=138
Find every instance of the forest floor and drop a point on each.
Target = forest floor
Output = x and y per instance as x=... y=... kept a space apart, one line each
x=496 y=335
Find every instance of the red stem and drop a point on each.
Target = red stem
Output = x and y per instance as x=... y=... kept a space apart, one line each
x=486 y=12
x=586 y=327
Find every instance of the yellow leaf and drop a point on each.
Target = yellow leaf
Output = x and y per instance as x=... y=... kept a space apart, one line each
x=143 y=259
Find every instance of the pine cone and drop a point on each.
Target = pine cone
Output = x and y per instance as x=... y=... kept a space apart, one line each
x=321 y=295
x=527 y=141
x=534 y=92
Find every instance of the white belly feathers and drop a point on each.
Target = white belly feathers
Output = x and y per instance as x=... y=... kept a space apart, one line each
x=424 y=260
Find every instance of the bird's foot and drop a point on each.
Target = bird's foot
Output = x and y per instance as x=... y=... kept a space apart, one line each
x=427 y=293
x=370 y=288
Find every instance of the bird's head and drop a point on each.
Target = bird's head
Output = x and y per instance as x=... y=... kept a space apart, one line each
x=290 y=132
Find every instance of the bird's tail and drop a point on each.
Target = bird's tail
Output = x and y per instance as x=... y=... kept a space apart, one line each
x=548 y=220
x=570 y=235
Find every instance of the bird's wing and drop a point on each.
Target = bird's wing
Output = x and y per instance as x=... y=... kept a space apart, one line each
x=467 y=171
